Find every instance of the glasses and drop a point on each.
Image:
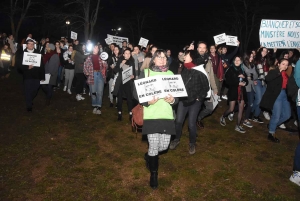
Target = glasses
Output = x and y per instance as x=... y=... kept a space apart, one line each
x=162 y=58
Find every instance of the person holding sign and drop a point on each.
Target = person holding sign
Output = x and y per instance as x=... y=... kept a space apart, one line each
x=158 y=117
x=31 y=75
x=197 y=87
x=95 y=70
x=122 y=89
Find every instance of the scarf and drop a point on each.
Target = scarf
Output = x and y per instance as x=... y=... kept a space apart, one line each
x=160 y=68
x=189 y=65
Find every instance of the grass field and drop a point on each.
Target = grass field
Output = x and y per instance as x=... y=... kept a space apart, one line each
x=64 y=152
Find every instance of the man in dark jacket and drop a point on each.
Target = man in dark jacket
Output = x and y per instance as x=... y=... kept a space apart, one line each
x=32 y=75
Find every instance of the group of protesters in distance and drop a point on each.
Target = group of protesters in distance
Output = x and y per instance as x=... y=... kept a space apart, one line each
x=259 y=82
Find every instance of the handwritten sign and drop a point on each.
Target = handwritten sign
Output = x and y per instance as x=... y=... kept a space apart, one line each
x=117 y=39
x=284 y=34
x=160 y=86
x=126 y=74
x=231 y=40
x=219 y=39
x=73 y=35
x=32 y=59
x=143 y=42
x=108 y=40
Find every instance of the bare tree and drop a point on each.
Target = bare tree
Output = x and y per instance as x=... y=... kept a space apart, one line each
x=86 y=15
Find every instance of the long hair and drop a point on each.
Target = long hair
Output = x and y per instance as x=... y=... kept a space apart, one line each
x=156 y=54
x=193 y=55
x=246 y=59
x=149 y=54
x=258 y=57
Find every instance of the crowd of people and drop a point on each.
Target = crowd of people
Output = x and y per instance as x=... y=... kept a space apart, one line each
x=257 y=82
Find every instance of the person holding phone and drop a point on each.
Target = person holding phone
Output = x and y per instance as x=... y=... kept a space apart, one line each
x=236 y=79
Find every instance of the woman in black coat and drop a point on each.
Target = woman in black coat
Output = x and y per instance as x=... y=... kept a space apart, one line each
x=236 y=79
x=275 y=98
x=124 y=90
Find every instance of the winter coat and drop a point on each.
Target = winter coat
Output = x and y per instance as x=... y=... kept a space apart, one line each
x=79 y=60
x=52 y=67
x=233 y=81
x=251 y=73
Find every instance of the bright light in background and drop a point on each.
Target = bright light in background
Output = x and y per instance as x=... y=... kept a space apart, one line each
x=68 y=22
x=119 y=29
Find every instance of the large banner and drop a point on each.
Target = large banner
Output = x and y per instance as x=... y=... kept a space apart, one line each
x=284 y=34
x=117 y=39
x=159 y=86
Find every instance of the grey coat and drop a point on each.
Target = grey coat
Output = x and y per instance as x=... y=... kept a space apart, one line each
x=254 y=76
x=79 y=60
x=52 y=68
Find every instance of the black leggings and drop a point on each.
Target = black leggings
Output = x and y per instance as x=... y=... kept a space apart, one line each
x=231 y=109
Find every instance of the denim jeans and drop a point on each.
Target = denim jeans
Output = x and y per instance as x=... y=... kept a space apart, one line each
x=182 y=111
x=259 y=92
x=59 y=75
x=297 y=158
x=96 y=89
x=281 y=111
x=250 y=103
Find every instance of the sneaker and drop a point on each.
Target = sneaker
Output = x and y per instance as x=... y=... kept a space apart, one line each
x=295 y=177
x=266 y=115
x=78 y=97
x=230 y=116
x=240 y=129
x=65 y=88
x=248 y=124
x=192 y=149
x=219 y=99
x=272 y=138
x=222 y=121
x=69 y=91
x=94 y=110
x=282 y=126
x=83 y=91
x=81 y=97
x=98 y=111
x=296 y=123
x=174 y=144
x=224 y=97
x=257 y=120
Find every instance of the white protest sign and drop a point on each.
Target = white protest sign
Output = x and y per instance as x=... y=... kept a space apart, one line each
x=126 y=74
x=117 y=39
x=73 y=35
x=108 y=40
x=231 y=40
x=160 y=86
x=219 y=39
x=104 y=56
x=283 y=34
x=47 y=79
x=215 y=101
x=31 y=59
x=143 y=42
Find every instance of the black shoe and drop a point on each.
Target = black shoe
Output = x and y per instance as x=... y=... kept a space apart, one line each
x=272 y=138
x=111 y=105
x=119 y=117
x=130 y=117
x=257 y=120
x=153 y=165
x=200 y=124
x=29 y=109
x=146 y=157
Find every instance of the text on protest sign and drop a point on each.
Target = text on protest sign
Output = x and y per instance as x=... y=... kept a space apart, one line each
x=160 y=86
x=143 y=42
x=283 y=34
x=73 y=35
x=117 y=39
x=126 y=74
x=219 y=39
x=231 y=40
x=31 y=59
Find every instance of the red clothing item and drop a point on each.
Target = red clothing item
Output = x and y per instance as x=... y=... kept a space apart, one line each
x=47 y=56
x=284 y=79
x=189 y=65
x=95 y=61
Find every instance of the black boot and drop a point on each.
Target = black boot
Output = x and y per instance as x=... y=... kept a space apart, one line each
x=153 y=165
x=146 y=157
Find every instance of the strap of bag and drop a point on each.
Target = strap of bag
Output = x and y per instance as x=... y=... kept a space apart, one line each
x=148 y=72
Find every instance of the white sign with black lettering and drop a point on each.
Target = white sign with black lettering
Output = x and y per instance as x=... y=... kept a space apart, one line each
x=31 y=59
x=126 y=74
x=231 y=40
x=117 y=39
x=159 y=86
x=108 y=40
x=143 y=42
x=219 y=39
x=73 y=35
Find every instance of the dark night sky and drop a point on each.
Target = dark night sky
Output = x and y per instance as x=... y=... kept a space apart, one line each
x=174 y=23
